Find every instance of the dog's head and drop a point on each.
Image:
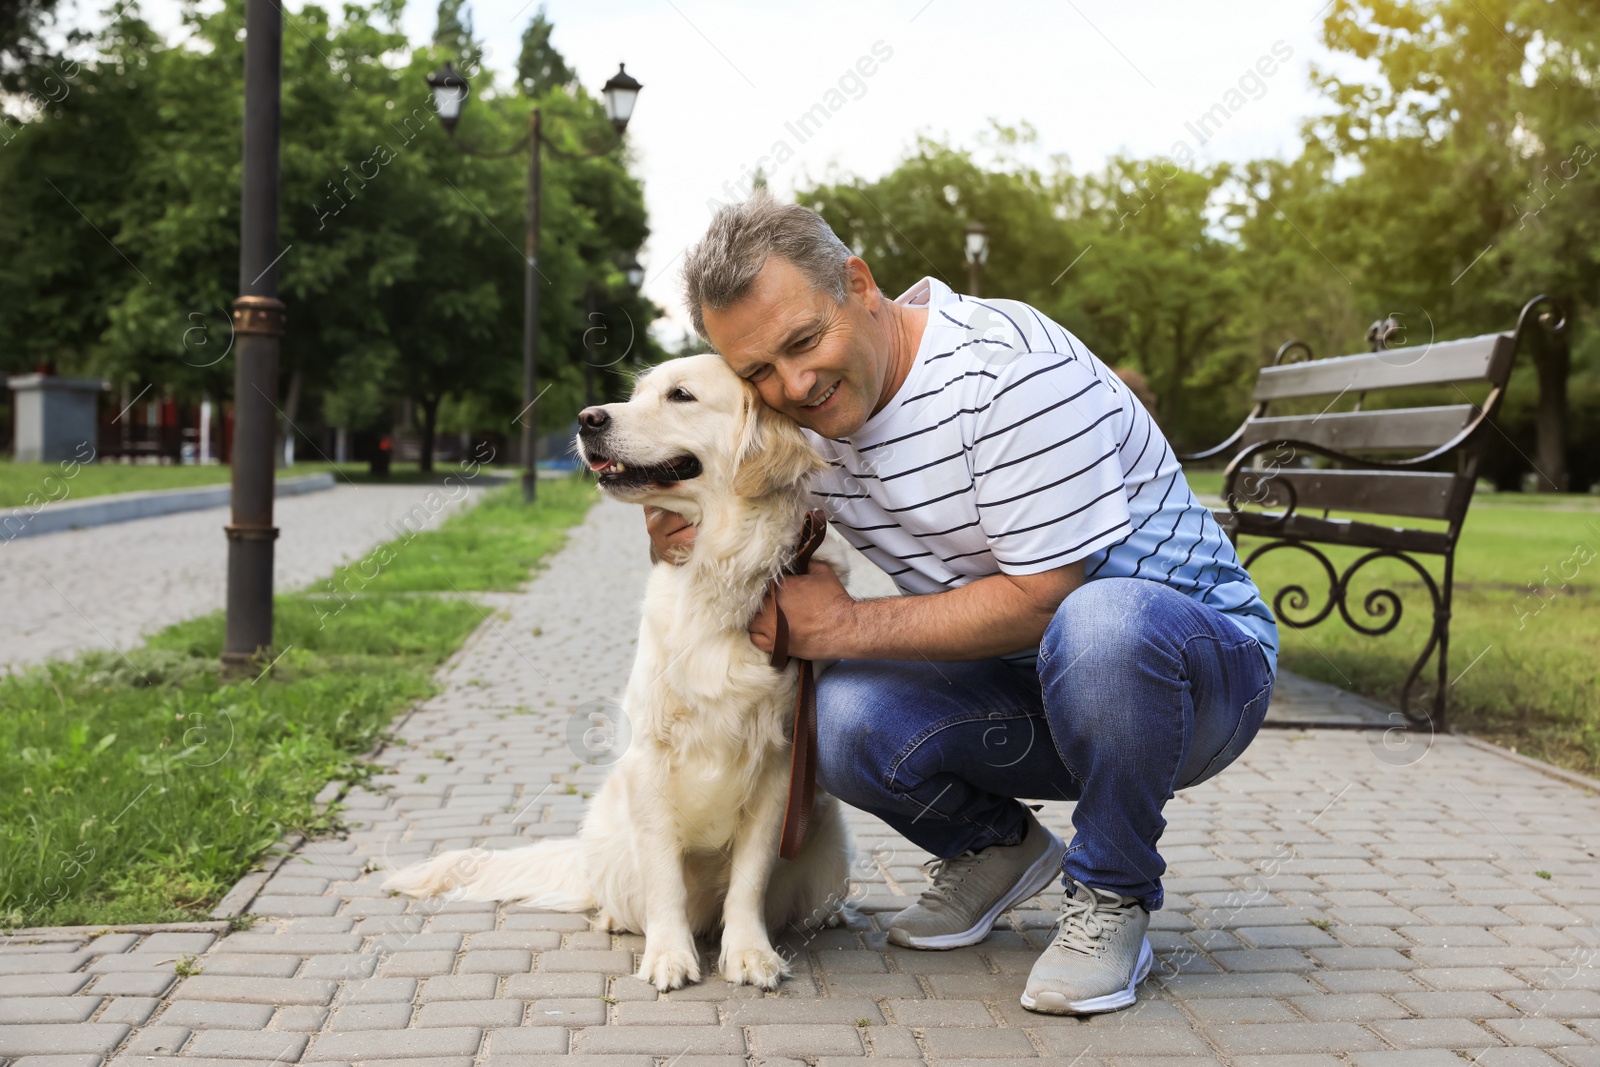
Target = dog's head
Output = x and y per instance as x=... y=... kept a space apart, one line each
x=693 y=431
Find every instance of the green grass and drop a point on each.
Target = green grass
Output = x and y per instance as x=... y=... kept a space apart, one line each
x=1205 y=483
x=1524 y=631
x=34 y=483
x=493 y=551
x=1524 y=628
x=140 y=788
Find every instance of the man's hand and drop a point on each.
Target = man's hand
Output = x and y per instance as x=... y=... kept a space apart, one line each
x=671 y=535
x=819 y=613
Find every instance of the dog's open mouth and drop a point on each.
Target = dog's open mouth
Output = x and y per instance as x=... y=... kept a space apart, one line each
x=615 y=474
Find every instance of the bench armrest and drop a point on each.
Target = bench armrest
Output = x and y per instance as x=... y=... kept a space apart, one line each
x=1215 y=450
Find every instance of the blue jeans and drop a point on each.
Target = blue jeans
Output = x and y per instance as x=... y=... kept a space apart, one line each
x=1139 y=691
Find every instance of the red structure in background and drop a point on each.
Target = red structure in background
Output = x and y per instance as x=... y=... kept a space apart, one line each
x=165 y=431
x=169 y=431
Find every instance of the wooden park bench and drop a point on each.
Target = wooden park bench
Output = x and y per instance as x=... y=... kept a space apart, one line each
x=1289 y=471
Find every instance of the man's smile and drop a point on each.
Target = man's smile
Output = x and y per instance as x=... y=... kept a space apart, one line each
x=832 y=389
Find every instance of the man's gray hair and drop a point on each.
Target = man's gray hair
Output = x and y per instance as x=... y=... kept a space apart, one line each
x=722 y=268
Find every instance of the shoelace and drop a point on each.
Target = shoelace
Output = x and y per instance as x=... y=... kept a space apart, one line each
x=946 y=876
x=1082 y=922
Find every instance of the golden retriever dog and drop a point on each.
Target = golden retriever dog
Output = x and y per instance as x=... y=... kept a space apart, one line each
x=682 y=838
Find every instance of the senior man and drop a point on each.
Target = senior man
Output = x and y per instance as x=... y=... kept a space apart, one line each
x=1075 y=624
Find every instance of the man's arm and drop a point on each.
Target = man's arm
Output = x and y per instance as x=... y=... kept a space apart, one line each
x=991 y=616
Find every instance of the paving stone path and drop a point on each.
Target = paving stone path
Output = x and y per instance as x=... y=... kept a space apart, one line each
x=108 y=586
x=1337 y=897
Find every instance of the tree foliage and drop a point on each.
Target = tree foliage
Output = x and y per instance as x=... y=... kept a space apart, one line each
x=22 y=27
x=452 y=30
x=540 y=67
x=1128 y=258
x=1474 y=142
x=402 y=258
x=1451 y=181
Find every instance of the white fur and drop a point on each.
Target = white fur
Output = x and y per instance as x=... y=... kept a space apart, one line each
x=682 y=838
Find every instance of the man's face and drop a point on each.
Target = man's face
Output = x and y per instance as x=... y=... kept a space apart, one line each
x=825 y=365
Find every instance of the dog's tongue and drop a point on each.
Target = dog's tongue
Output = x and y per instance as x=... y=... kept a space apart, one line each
x=600 y=465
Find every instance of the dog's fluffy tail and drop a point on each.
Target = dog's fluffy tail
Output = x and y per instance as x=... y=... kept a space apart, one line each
x=550 y=874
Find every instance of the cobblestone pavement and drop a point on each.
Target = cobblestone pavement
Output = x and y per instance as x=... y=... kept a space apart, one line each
x=108 y=586
x=1332 y=898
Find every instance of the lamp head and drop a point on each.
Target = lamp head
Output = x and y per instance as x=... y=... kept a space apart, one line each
x=449 y=93
x=621 y=93
x=633 y=270
x=977 y=243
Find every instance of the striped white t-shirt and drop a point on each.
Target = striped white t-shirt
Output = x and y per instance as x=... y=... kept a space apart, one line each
x=1011 y=449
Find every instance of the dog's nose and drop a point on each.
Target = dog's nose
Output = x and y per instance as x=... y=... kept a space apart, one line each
x=593 y=418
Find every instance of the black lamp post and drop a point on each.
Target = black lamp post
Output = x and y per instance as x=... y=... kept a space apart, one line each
x=450 y=90
x=258 y=324
x=977 y=249
x=633 y=272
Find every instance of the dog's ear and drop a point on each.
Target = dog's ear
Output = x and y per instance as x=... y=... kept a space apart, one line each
x=773 y=454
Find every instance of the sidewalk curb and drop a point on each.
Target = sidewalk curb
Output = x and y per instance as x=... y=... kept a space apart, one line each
x=244 y=892
x=126 y=507
x=237 y=900
x=41 y=934
x=1547 y=769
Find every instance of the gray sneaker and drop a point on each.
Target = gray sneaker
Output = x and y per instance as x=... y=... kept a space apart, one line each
x=1100 y=953
x=970 y=891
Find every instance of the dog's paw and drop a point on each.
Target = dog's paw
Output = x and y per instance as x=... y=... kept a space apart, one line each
x=668 y=969
x=760 y=967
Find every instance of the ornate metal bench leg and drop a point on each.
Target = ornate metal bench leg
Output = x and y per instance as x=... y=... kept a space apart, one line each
x=1381 y=605
x=1438 y=642
x=1441 y=623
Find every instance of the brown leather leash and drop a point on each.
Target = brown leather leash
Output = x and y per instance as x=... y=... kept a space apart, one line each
x=803 y=756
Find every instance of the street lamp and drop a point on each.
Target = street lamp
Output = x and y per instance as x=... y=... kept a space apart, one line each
x=621 y=93
x=450 y=92
x=977 y=253
x=634 y=272
x=258 y=324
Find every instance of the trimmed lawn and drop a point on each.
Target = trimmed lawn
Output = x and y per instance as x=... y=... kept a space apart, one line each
x=140 y=788
x=492 y=552
x=1524 y=628
x=31 y=483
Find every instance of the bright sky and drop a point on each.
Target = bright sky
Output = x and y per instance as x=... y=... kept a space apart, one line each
x=725 y=81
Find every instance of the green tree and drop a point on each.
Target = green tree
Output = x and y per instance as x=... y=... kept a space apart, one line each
x=1127 y=259
x=452 y=31
x=22 y=27
x=401 y=264
x=1161 y=290
x=1472 y=137
x=540 y=67
x=1299 y=283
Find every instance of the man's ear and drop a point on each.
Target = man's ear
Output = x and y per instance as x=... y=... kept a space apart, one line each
x=773 y=454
